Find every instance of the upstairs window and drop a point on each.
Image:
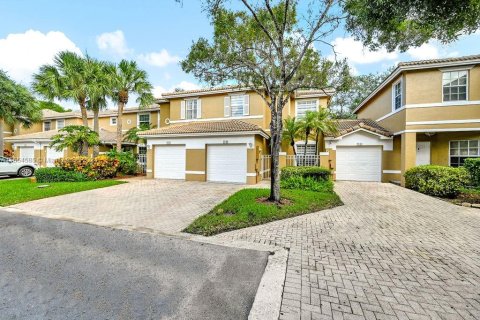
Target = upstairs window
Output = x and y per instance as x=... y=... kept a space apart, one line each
x=305 y=105
x=144 y=120
x=397 y=95
x=455 y=85
x=60 y=124
x=191 y=109
x=463 y=149
x=47 y=126
x=113 y=121
x=237 y=105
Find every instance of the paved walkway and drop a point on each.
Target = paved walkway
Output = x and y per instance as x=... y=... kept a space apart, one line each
x=142 y=204
x=388 y=253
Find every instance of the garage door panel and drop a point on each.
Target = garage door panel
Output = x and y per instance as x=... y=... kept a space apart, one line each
x=27 y=154
x=359 y=163
x=227 y=163
x=53 y=155
x=169 y=162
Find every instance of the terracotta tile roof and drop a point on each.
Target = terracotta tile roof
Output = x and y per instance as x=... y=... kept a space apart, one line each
x=50 y=114
x=347 y=126
x=224 y=126
x=106 y=137
x=434 y=61
x=311 y=93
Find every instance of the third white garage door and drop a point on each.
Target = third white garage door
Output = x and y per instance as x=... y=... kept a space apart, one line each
x=227 y=163
x=359 y=163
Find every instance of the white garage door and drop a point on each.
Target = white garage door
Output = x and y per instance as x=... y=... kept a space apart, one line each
x=359 y=163
x=227 y=163
x=169 y=162
x=53 y=155
x=27 y=154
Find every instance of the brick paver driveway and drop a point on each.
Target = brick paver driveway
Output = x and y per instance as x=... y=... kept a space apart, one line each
x=142 y=204
x=388 y=253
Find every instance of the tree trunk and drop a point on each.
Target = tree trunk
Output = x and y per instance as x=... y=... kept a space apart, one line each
x=83 y=110
x=119 y=126
x=292 y=143
x=96 y=128
x=276 y=127
x=2 y=143
x=307 y=133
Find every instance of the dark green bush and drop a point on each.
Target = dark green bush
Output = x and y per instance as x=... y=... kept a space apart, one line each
x=127 y=161
x=307 y=183
x=317 y=173
x=439 y=181
x=46 y=175
x=473 y=167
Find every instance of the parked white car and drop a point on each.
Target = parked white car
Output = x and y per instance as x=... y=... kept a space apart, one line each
x=10 y=167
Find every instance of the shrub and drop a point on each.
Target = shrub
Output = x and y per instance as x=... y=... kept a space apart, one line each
x=317 y=173
x=46 y=175
x=437 y=181
x=306 y=183
x=101 y=167
x=8 y=153
x=127 y=161
x=472 y=165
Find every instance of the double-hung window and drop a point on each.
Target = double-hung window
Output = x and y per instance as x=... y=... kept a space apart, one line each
x=144 y=120
x=113 y=121
x=455 y=85
x=47 y=126
x=191 y=108
x=303 y=106
x=397 y=95
x=60 y=124
x=463 y=149
x=237 y=105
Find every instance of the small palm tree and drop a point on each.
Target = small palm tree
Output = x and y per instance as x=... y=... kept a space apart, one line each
x=132 y=134
x=125 y=79
x=325 y=123
x=291 y=131
x=307 y=125
x=76 y=138
x=66 y=79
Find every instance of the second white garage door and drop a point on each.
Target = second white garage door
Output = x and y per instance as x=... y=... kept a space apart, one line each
x=227 y=163
x=359 y=163
x=53 y=155
x=169 y=162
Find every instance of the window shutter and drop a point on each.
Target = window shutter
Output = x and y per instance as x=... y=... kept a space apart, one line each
x=182 y=109
x=199 y=108
x=226 y=109
x=246 y=105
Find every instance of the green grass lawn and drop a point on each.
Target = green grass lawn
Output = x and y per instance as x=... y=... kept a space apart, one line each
x=243 y=209
x=470 y=195
x=22 y=190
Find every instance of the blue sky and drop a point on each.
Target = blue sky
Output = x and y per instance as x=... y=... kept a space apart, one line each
x=156 y=33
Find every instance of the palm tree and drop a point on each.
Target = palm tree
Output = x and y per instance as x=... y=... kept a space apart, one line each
x=126 y=79
x=307 y=125
x=325 y=123
x=132 y=134
x=76 y=138
x=66 y=79
x=291 y=131
x=17 y=105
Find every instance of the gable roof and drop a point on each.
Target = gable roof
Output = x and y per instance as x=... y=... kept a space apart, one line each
x=418 y=65
x=206 y=127
x=346 y=126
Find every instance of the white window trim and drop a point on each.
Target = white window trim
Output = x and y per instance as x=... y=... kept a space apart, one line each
x=62 y=120
x=241 y=94
x=111 y=122
x=467 y=91
x=399 y=81
x=143 y=114
x=450 y=149
x=44 y=122
x=317 y=104
x=186 y=108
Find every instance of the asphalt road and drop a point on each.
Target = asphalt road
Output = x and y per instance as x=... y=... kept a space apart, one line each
x=51 y=269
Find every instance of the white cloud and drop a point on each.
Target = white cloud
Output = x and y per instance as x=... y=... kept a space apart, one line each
x=356 y=53
x=113 y=43
x=158 y=90
x=159 y=59
x=21 y=54
x=424 y=52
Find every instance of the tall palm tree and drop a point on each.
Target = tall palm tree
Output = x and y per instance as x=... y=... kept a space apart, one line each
x=125 y=79
x=307 y=125
x=17 y=105
x=325 y=123
x=291 y=131
x=66 y=79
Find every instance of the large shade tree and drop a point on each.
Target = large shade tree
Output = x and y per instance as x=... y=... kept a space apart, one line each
x=127 y=79
x=17 y=106
x=268 y=47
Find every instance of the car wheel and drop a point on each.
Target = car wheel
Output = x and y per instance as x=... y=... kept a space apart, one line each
x=25 y=172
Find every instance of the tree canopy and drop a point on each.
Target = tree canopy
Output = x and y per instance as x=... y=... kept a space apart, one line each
x=401 y=24
x=50 y=105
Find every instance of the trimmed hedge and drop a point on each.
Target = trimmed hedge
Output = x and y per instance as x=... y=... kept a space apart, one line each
x=438 y=181
x=127 y=162
x=46 y=175
x=472 y=165
x=317 y=173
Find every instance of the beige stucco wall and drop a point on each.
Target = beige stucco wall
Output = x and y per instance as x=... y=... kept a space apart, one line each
x=380 y=105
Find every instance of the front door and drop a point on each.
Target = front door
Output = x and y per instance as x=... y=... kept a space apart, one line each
x=423 y=153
